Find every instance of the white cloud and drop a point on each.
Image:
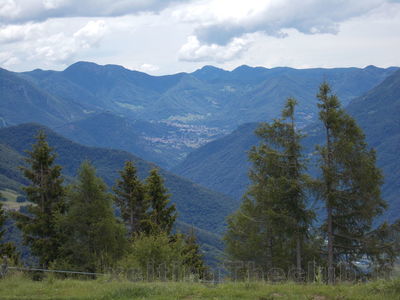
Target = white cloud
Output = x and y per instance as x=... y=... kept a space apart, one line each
x=7 y=59
x=220 y=21
x=8 y=9
x=91 y=34
x=50 y=43
x=20 y=11
x=60 y=47
x=16 y=33
x=148 y=68
x=194 y=51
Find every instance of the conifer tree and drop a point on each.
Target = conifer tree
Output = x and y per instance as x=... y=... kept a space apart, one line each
x=95 y=240
x=46 y=192
x=163 y=215
x=130 y=198
x=193 y=258
x=273 y=219
x=351 y=183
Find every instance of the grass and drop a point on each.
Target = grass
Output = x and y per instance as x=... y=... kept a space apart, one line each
x=19 y=286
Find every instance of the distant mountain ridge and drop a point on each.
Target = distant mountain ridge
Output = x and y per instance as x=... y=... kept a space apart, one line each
x=184 y=110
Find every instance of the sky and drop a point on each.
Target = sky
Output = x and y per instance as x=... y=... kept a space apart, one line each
x=165 y=37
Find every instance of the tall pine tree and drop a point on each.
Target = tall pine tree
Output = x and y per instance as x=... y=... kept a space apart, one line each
x=46 y=192
x=130 y=198
x=95 y=240
x=272 y=223
x=163 y=215
x=351 y=183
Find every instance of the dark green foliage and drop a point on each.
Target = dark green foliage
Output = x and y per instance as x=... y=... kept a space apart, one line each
x=163 y=214
x=130 y=198
x=46 y=193
x=160 y=256
x=272 y=224
x=193 y=258
x=350 y=182
x=94 y=238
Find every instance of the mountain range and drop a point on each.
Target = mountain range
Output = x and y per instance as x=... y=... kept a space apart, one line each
x=170 y=115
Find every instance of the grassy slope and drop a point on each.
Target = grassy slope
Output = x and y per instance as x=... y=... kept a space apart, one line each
x=18 y=287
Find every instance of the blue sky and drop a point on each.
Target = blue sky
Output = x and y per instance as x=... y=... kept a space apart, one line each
x=164 y=37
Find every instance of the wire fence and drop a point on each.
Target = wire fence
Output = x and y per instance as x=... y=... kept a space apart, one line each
x=54 y=271
x=114 y=274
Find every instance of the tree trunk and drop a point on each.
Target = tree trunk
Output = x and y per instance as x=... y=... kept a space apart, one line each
x=329 y=208
x=330 y=247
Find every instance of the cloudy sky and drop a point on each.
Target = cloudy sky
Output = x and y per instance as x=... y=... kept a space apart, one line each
x=163 y=37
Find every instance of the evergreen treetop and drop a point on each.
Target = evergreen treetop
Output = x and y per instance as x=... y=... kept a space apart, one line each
x=95 y=240
x=350 y=180
x=47 y=194
x=130 y=198
x=163 y=215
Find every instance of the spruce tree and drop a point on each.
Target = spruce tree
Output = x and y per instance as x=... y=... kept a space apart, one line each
x=193 y=258
x=272 y=223
x=46 y=192
x=163 y=215
x=95 y=239
x=351 y=183
x=130 y=198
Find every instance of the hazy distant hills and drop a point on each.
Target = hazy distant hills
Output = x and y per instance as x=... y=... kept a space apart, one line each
x=196 y=205
x=22 y=101
x=183 y=111
x=222 y=164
